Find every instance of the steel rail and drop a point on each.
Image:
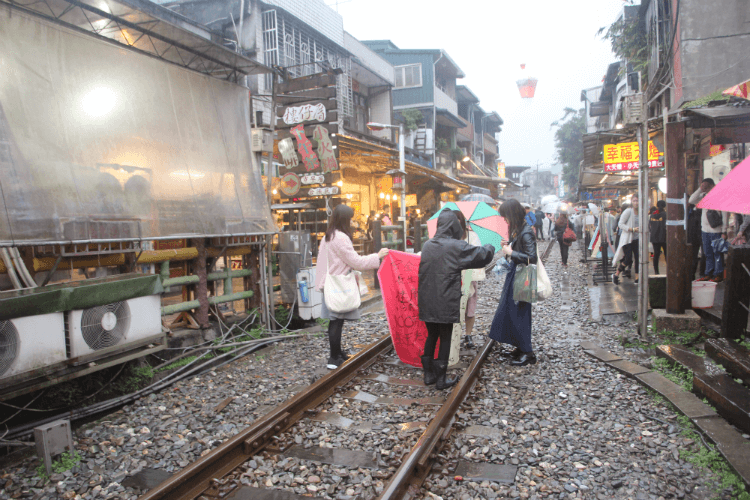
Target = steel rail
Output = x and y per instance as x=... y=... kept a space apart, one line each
x=548 y=249
x=192 y=481
x=416 y=465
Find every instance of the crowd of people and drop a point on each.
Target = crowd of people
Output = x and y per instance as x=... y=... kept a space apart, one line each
x=444 y=257
x=452 y=251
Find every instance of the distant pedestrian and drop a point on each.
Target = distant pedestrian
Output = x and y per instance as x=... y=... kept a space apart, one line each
x=548 y=227
x=657 y=227
x=630 y=224
x=713 y=226
x=561 y=224
x=444 y=256
x=539 y=226
x=530 y=216
x=512 y=322
x=338 y=256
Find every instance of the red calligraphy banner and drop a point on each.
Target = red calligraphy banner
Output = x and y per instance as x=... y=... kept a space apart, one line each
x=399 y=285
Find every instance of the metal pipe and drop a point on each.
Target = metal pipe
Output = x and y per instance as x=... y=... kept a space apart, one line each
x=11 y=270
x=194 y=304
x=20 y=266
x=215 y=276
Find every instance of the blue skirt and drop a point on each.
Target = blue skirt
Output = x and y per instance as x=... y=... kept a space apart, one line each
x=512 y=323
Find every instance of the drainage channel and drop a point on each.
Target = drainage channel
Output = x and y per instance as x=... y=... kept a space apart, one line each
x=374 y=378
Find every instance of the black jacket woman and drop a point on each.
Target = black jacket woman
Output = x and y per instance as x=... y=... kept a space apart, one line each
x=561 y=224
x=444 y=256
x=512 y=323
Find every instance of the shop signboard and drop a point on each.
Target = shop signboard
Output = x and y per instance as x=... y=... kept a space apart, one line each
x=501 y=169
x=601 y=194
x=626 y=156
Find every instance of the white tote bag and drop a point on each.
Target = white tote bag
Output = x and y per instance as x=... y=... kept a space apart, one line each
x=543 y=286
x=340 y=291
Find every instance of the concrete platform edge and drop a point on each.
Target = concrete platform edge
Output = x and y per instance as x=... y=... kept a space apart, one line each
x=730 y=443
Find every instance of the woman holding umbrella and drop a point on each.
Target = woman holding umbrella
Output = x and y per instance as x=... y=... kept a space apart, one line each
x=512 y=323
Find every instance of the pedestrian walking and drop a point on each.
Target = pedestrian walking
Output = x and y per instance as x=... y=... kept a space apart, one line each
x=548 y=227
x=512 y=322
x=629 y=241
x=713 y=226
x=539 y=226
x=338 y=256
x=657 y=227
x=444 y=256
x=561 y=225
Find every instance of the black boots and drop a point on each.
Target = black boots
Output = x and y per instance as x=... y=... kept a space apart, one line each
x=429 y=371
x=469 y=342
x=526 y=358
x=440 y=368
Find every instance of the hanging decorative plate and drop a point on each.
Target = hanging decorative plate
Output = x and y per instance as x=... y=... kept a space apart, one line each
x=290 y=184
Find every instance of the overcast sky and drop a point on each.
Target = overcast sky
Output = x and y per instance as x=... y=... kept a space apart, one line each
x=489 y=39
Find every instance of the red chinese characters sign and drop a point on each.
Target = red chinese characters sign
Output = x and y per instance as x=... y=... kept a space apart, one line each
x=626 y=156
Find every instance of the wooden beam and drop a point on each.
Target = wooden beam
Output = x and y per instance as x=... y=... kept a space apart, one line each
x=677 y=275
x=306 y=84
x=307 y=95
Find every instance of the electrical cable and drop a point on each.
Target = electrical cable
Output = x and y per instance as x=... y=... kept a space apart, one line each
x=22 y=409
x=20 y=267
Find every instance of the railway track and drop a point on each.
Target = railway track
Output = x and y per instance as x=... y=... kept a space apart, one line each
x=216 y=474
x=207 y=477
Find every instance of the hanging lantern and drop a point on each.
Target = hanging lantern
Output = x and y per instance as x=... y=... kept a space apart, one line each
x=527 y=87
x=523 y=66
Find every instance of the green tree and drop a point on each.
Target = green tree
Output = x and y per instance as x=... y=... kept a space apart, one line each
x=569 y=143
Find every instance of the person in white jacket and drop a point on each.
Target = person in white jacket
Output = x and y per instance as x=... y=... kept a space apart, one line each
x=629 y=241
x=713 y=226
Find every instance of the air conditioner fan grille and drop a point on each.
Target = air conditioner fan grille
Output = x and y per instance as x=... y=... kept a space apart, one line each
x=105 y=326
x=9 y=345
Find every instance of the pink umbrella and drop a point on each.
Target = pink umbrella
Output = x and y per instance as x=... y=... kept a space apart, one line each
x=732 y=193
x=482 y=219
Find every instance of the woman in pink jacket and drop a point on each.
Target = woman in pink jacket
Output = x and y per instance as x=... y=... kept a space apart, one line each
x=337 y=246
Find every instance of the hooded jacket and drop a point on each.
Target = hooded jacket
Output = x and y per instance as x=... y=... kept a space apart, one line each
x=657 y=227
x=444 y=256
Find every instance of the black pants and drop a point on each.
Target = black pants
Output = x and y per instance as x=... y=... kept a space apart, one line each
x=563 y=251
x=437 y=331
x=631 y=256
x=335 y=327
x=658 y=248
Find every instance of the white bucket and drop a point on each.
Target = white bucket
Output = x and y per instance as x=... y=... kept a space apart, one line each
x=703 y=294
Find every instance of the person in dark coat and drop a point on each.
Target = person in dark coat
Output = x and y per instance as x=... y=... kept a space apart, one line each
x=512 y=322
x=561 y=224
x=539 y=226
x=444 y=256
x=657 y=226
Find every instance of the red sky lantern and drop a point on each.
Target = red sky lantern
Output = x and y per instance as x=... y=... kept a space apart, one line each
x=527 y=87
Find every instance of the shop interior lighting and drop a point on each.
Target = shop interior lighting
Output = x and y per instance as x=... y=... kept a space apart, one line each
x=604 y=179
x=275 y=192
x=382 y=196
x=340 y=183
x=663 y=185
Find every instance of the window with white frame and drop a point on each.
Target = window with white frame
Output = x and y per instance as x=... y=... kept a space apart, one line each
x=408 y=76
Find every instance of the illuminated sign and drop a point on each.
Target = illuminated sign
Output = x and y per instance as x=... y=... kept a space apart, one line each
x=626 y=155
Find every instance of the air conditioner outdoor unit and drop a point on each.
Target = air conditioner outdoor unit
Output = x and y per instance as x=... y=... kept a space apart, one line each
x=31 y=342
x=632 y=109
x=102 y=327
x=262 y=140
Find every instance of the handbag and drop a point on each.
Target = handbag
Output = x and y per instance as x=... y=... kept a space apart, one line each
x=544 y=286
x=524 y=284
x=569 y=236
x=340 y=291
x=714 y=218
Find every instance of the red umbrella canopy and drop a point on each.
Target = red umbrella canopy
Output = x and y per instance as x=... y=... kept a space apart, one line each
x=482 y=219
x=732 y=193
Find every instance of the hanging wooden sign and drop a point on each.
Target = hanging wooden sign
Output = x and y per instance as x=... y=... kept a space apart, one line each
x=313 y=179
x=304 y=113
x=304 y=146
x=290 y=184
x=315 y=191
x=325 y=149
x=289 y=157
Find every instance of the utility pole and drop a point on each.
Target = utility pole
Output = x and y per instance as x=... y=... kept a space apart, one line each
x=643 y=233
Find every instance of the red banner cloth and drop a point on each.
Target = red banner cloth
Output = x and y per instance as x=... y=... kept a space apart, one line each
x=399 y=286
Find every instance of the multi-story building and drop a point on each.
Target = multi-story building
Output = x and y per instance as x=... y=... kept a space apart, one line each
x=426 y=81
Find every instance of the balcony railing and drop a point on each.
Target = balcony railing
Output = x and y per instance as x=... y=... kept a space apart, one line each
x=443 y=100
x=490 y=145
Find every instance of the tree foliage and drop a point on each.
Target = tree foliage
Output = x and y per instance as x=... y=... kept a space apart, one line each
x=629 y=42
x=569 y=143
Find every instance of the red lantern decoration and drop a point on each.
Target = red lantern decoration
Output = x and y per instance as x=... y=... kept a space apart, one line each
x=398 y=182
x=523 y=66
x=527 y=87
